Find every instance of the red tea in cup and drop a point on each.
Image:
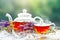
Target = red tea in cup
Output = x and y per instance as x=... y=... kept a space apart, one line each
x=41 y=29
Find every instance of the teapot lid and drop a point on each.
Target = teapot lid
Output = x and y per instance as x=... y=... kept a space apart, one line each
x=24 y=14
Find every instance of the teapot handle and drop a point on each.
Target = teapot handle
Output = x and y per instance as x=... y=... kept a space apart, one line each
x=41 y=20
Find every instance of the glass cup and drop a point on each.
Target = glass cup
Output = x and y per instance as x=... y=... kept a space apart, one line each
x=42 y=27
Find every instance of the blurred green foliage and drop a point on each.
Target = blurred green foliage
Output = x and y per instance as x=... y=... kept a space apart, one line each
x=49 y=9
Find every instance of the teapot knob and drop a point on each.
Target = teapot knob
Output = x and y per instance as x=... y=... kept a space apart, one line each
x=24 y=11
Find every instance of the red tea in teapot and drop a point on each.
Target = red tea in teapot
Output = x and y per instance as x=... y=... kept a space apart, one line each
x=22 y=26
x=41 y=29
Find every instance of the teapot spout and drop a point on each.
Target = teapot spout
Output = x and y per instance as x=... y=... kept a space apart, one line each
x=9 y=16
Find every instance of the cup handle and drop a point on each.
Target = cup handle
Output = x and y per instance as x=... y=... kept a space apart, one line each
x=52 y=24
x=41 y=20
